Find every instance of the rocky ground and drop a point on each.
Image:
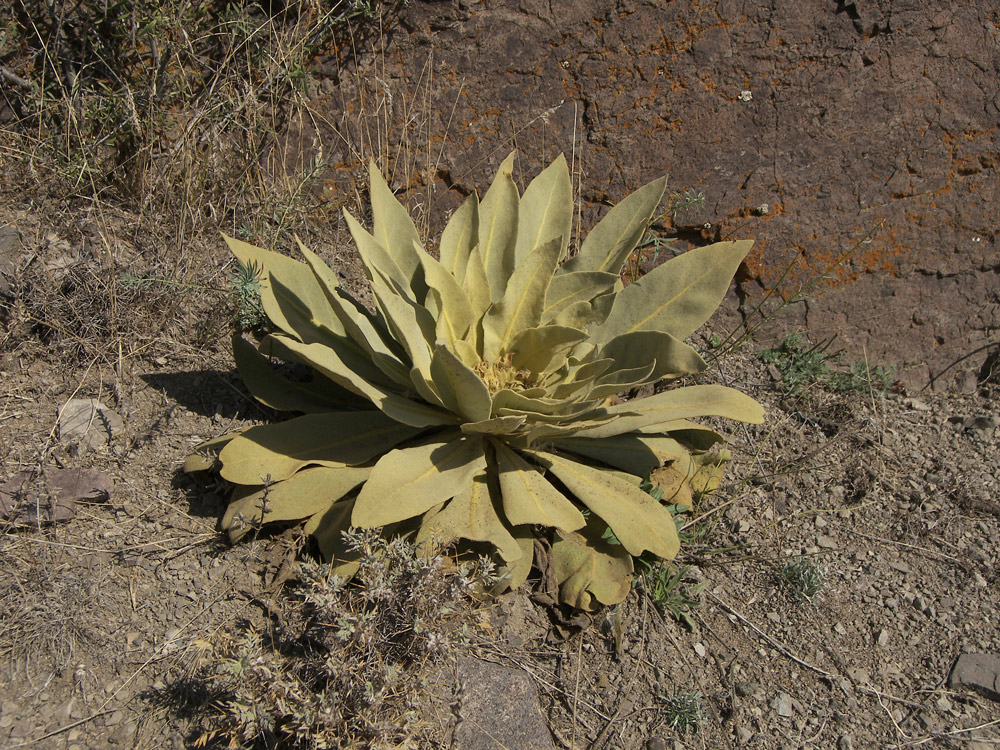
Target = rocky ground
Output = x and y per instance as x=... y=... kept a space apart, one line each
x=891 y=498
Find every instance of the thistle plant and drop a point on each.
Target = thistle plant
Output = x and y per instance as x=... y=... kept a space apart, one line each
x=474 y=403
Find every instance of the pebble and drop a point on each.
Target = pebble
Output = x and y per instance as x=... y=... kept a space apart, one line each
x=844 y=742
x=782 y=704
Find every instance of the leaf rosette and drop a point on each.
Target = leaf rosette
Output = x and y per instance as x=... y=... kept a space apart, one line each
x=474 y=401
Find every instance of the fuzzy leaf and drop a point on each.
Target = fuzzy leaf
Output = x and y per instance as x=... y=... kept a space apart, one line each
x=678 y=296
x=609 y=244
x=679 y=403
x=327 y=527
x=590 y=570
x=459 y=387
x=626 y=452
x=545 y=212
x=521 y=306
x=284 y=394
x=515 y=573
x=543 y=349
x=394 y=230
x=395 y=406
x=673 y=357
x=456 y=310
x=569 y=289
x=306 y=493
x=639 y=522
x=498 y=228
x=205 y=456
x=459 y=237
x=327 y=439
x=408 y=481
x=472 y=515
x=494 y=426
x=290 y=295
x=529 y=498
x=376 y=259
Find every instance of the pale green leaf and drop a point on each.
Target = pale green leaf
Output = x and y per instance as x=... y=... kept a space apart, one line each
x=306 y=493
x=455 y=316
x=540 y=350
x=639 y=522
x=680 y=403
x=631 y=453
x=375 y=258
x=397 y=407
x=459 y=237
x=205 y=457
x=528 y=497
x=290 y=295
x=498 y=228
x=327 y=527
x=494 y=426
x=545 y=211
x=673 y=357
x=471 y=515
x=368 y=334
x=678 y=296
x=284 y=394
x=569 y=289
x=589 y=568
x=394 y=230
x=609 y=244
x=408 y=481
x=460 y=389
x=521 y=306
x=333 y=438
x=515 y=573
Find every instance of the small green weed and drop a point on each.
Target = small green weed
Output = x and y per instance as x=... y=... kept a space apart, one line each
x=802 y=364
x=245 y=285
x=666 y=587
x=805 y=576
x=683 y=710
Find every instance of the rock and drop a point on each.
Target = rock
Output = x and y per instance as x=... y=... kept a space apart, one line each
x=978 y=672
x=844 y=742
x=782 y=704
x=656 y=743
x=743 y=735
x=498 y=708
x=88 y=423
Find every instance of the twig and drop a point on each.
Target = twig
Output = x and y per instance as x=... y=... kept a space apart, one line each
x=781 y=647
x=14 y=79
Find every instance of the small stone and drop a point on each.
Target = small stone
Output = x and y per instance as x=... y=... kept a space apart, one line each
x=782 y=704
x=656 y=743
x=883 y=638
x=978 y=672
x=844 y=742
x=859 y=676
x=827 y=542
x=743 y=735
x=699 y=649
x=745 y=689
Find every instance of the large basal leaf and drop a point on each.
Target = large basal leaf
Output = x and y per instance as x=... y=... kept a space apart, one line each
x=639 y=522
x=540 y=350
x=626 y=452
x=590 y=570
x=498 y=228
x=367 y=333
x=394 y=230
x=284 y=394
x=471 y=515
x=327 y=528
x=511 y=575
x=678 y=296
x=206 y=456
x=409 y=481
x=495 y=426
x=376 y=259
x=679 y=403
x=279 y=450
x=529 y=498
x=290 y=295
x=609 y=243
x=459 y=387
x=395 y=406
x=568 y=289
x=521 y=305
x=306 y=493
x=459 y=237
x=456 y=309
x=673 y=357
x=545 y=211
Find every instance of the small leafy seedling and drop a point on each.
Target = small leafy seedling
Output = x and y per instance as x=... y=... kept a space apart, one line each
x=666 y=587
x=682 y=710
x=805 y=576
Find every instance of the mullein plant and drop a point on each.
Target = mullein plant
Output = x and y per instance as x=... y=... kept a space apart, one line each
x=477 y=401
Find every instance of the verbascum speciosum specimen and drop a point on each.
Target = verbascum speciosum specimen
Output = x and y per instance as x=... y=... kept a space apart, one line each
x=474 y=402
